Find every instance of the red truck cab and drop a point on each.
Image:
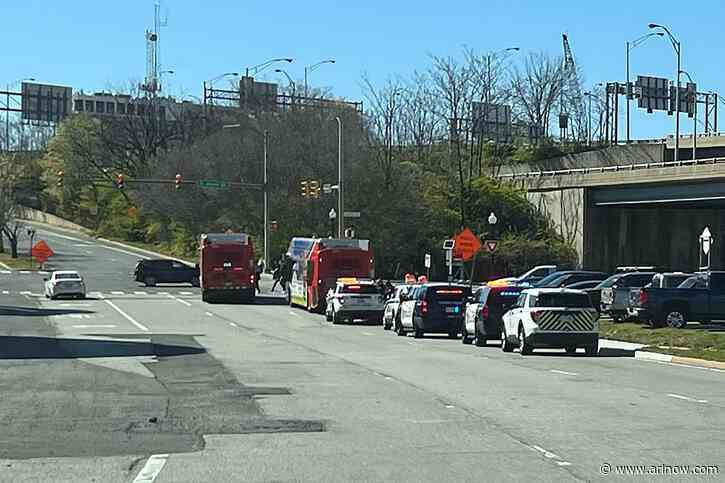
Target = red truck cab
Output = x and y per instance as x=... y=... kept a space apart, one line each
x=227 y=267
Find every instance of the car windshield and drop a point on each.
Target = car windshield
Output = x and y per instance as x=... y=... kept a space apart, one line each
x=67 y=276
x=568 y=300
x=549 y=278
x=607 y=283
x=694 y=282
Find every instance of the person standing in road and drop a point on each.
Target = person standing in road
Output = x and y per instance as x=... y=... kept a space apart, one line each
x=277 y=275
x=259 y=271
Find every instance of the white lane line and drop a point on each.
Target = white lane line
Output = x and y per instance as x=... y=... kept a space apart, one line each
x=95 y=294
x=687 y=398
x=151 y=469
x=140 y=292
x=126 y=316
x=109 y=326
x=549 y=455
x=5 y=271
x=180 y=301
x=209 y=314
x=292 y=313
x=37 y=295
x=186 y=293
x=117 y=293
x=233 y=324
x=53 y=234
x=42 y=272
x=367 y=333
x=81 y=245
x=25 y=292
x=556 y=371
x=24 y=272
x=6 y=292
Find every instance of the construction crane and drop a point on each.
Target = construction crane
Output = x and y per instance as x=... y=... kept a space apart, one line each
x=571 y=99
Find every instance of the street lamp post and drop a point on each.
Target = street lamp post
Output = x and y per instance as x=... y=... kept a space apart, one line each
x=631 y=45
x=313 y=67
x=340 y=202
x=162 y=73
x=289 y=79
x=694 y=117
x=675 y=45
x=265 y=188
x=260 y=67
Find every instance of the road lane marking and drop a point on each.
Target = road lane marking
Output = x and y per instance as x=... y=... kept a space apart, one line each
x=24 y=272
x=233 y=324
x=292 y=313
x=116 y=293
x=6 y=292
x=124 y=314
x=687 y=398
x=108 y=326
x=82 y=245
x=25 y=292
x=151 y=469
x=209 y=314
x=186 y=293
x=140 y=292
x=6 y=271
x=53 y=234
x=556 y=371
x=549 y=455
x=180 y=301
x=367 y=333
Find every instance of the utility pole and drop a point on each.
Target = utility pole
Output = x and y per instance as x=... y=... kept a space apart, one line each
x=266 y=202
x=340 y=202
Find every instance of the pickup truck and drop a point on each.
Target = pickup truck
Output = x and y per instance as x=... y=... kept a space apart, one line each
x=615 y=292
x=661 y=280
x=674 y=307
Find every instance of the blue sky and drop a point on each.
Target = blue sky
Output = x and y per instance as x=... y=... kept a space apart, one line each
x=99 y=44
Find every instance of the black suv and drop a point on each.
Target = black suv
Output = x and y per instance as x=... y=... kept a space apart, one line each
x=151 y=272
x=484 y=309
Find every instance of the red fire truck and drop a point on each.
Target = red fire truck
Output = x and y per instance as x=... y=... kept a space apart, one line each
x=227 y=266
x=319 y=262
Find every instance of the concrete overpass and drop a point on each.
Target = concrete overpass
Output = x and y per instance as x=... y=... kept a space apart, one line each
x=646 y=213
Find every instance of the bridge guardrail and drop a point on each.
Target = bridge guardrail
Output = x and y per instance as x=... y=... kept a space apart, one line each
x=606 y=169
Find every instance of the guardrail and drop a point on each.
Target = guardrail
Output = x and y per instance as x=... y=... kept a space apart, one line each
x=608 y=169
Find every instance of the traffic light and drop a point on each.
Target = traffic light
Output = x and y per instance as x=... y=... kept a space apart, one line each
x=60 y=178
x=314 y=189
x=119 y=181
x=304 y=189
x=177 y=181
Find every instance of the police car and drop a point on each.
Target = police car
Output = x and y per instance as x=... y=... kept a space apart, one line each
x=551 y=318
x=354 y=299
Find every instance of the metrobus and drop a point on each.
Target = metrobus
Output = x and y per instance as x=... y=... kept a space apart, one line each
x=227 y=266
x=319 y=262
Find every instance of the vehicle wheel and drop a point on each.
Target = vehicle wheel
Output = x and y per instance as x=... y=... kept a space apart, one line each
x=617 y=319
x=386 y=325
x=149 y=281
x=328 y=316
x=336 y=319
x=465 y=339
x=524 y=348
x=506 y=346
x=675 y=318
x=480 y=338
x=571 y=350
x=417 y=333
x=592 y=350
x=53 y=297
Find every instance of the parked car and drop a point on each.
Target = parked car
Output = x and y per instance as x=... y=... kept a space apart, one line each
x=615 y=297
x=392 y=305
x=700 y=298
x=354 y=299
x=661 y=280
x=64 y=283
x=564 y=279
x=551 y=318
x=587 y=284
x=531 y=277
x=433 y=308
x=483 y=313
x=151 y=272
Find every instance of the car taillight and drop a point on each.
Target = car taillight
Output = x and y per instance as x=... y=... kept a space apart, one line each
x=535 y=315
x=643 y=297
x=424 y=307
x=484 y=312
x=251 y=279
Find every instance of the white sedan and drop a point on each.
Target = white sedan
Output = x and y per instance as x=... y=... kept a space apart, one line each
x=66 y=283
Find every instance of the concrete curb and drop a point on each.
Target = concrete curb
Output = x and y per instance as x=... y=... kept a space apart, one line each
x=687 y=361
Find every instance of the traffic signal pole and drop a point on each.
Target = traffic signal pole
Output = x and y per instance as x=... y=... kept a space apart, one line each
x=340 y=203
x=266 y=203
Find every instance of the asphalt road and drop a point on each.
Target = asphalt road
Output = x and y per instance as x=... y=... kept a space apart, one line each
x=136 y=380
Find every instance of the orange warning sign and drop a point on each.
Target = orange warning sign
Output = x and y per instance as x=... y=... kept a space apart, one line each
x=41 y=251
x=467 y=245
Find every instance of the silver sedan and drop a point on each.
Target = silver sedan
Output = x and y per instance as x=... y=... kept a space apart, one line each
x=66 y=283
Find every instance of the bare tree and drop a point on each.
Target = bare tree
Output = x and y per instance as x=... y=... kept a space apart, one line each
x=10 y=209
x=535 y=89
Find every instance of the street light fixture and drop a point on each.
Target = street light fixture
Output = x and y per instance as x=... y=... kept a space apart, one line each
x=289 y=79
x=314 y=67
x=678 y=50
x=260 y=67
x=694 y=118
x=630 y=46
x=340 y=200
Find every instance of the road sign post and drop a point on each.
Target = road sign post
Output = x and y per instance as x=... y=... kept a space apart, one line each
x=427 y=265
x=448 y=246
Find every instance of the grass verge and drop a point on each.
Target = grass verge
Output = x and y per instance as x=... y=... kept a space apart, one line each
x=20 y=263
x=694 y=341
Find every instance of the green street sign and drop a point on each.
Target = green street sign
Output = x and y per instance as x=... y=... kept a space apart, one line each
x=213 y=184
